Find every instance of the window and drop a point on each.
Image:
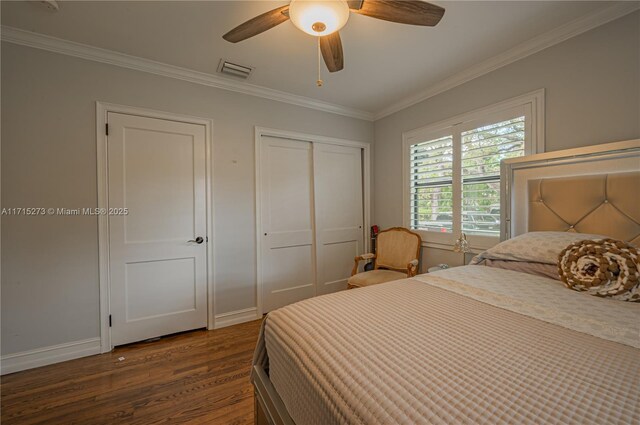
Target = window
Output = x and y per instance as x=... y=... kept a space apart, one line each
x=482 y=150
x=432 y=185
x=452 y=169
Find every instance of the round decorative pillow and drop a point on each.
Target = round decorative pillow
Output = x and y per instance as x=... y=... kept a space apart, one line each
x=605 y=268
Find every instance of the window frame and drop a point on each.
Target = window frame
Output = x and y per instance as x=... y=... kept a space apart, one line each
x=530 y=105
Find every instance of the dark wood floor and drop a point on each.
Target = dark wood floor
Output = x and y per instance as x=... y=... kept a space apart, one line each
x=199 y=377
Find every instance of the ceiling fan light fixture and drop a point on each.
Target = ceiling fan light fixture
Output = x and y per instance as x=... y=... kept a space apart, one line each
x=319 y=17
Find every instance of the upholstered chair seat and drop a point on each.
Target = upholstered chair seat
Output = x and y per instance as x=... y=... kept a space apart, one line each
x=373 y=277
x=398 y=251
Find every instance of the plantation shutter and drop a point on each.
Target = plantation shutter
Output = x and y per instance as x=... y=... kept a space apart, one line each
x=482 y=150
x=431 y=185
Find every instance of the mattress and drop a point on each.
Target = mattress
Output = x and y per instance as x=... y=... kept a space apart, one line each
x=467 y=345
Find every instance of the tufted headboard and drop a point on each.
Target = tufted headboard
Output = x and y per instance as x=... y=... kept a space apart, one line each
x=602 y=204
x=594 y=189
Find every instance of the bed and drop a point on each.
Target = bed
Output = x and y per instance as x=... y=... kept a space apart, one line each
x=472 y=344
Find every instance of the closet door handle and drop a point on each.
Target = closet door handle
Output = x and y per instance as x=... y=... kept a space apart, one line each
x=197 y=240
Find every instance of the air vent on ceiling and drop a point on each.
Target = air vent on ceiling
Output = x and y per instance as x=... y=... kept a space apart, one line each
x=233 y=69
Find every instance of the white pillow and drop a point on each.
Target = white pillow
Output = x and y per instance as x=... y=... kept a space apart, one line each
x=538 y=247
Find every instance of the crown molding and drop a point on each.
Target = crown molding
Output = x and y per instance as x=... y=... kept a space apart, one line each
x=534 y=45
x=96 y=54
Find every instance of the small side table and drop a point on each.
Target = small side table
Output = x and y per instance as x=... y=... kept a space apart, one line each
x=437 y=268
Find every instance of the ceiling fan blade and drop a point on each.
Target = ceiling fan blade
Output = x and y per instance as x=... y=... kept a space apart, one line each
x=331 y=48
x=258 y=25
x=412 y=12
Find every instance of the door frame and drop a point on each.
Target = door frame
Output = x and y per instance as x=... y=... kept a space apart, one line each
x=102 y=109
x=367 y=151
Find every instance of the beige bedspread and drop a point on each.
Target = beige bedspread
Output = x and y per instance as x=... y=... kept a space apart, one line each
x=440 y=350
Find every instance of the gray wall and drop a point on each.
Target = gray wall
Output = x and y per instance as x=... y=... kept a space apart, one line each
x=50 y=264
x=592 y=85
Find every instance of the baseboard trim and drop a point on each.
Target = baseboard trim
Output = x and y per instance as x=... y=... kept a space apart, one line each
x=236 y=317
x=11 y=363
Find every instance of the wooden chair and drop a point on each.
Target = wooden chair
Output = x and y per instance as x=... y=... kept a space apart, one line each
x=398 y=253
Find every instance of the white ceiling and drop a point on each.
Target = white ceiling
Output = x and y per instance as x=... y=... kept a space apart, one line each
x=384 y=62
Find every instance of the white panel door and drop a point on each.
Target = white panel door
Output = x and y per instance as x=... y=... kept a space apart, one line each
x=158 y=250
x=286 y=209
x=339 y=213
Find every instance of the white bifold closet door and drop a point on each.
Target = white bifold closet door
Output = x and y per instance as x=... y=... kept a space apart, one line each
x=286 y=205
x=311 y=218
x=339 y=215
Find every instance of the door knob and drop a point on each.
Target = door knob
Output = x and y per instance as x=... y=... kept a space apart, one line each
x=197 y=240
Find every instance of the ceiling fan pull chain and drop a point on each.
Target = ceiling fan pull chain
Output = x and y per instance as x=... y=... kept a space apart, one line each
x=319 y=82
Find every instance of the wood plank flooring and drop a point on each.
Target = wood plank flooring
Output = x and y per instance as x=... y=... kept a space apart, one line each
x=199 y=377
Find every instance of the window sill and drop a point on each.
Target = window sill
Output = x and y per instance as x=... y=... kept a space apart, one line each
x=473 y=248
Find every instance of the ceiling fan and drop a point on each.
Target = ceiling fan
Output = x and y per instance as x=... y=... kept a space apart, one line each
x=324 y=18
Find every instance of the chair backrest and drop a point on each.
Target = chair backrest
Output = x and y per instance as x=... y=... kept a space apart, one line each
x=396 y=247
